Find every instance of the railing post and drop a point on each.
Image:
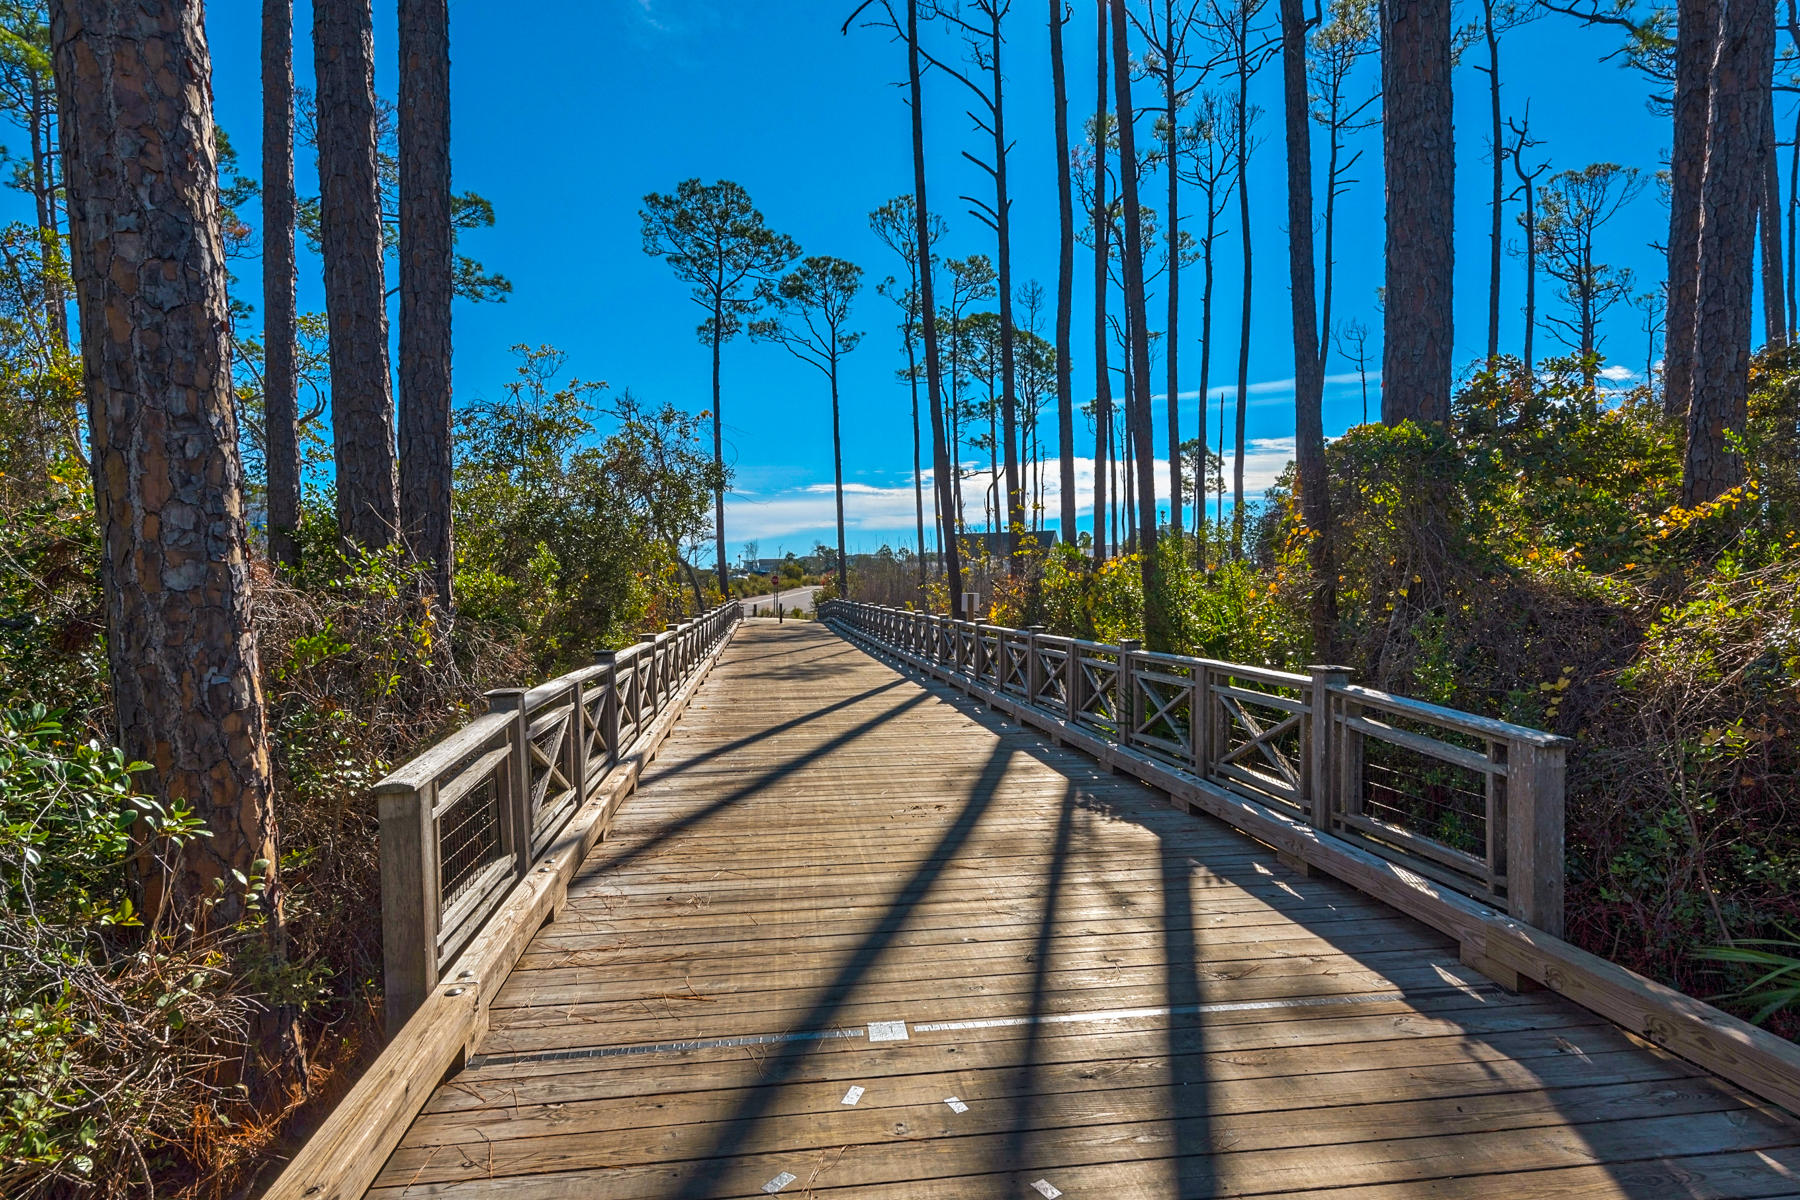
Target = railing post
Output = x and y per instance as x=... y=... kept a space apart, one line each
x=1534 y=833
x=1200 y=725
x=1126 y=709
x=1034 y=666
x=1073 y=675
x=576 y=739
x=648 y=677
x=409 y=899
x=978 y=650
x=1320 y=763
x=515 y=820
x=609 y=703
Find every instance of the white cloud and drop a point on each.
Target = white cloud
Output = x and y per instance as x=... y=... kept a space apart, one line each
x=1618 y=373
x=647 y=13
x=1278 y=387
x=875 y=513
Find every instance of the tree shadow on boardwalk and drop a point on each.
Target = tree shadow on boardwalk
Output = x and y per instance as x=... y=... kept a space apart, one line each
x=606 y=858
x=1154 y=1006
x=735 y=1132
x=1490 y=1024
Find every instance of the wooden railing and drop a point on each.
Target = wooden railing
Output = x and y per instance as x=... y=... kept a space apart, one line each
x=1453 y=819
x=1473 y=803
x=467 y=820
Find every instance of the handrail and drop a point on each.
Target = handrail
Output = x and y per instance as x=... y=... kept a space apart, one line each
x=464 y=822
x=1307 y=815
x=1471 y=802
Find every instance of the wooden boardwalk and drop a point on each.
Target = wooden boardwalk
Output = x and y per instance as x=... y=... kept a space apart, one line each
x=1100 y=995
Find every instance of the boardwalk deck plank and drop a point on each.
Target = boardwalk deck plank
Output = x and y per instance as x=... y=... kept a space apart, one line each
x=1142 y=1002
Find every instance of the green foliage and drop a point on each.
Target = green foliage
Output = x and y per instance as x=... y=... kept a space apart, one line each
x=66 y=821
x=1776 y=964
x=573 y=544
x=718 y=243
x=109 y=1037
x=41 y=431
x=52 y=620
x=1533 y=563
x=468 y=210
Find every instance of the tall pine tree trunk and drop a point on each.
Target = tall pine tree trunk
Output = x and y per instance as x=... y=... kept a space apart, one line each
x=1171 y=339
x=1496 y=202
x=1158 y=634
x=1102 y=228
x=281 y=379
x=1793 y=243
x=1243 y=363
x=427 y=275
x=362 y=403
x=1065 y=279
x=837 y=474
x=1309 y=382
x=1420 y=165
x=1014 y=511
x=1328 y=261
x=1206 y=304
x=1531 y=283
x=912 y=375
x=718 y=424
x=1730 y=190
x=940 y=450
x=1696 y=36
x=1775 y=316
x=135 y=82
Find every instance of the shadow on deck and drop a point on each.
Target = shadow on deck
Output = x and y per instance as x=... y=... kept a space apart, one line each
x=856 y=934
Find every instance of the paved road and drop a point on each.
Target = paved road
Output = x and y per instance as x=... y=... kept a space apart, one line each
x=793 y=600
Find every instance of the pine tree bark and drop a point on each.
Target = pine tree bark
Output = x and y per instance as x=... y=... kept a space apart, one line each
x=1243 y=363
x=1497 y=201
x=1420 y=166
x=362 y=422
x=912 y=375
x=1206 y=304
x=427 y=280
x=940 y=447
x=1309 y=381
x=1065 y=279
x=1157 y=632
x=1696 y=36
x=837 y=467
x=1103 y=414
x=1171 y=338
x=1775 y=315
x=149 y=267
x=281 y=380
x=718 y=423
x=1009 y=391
x=1730 y=192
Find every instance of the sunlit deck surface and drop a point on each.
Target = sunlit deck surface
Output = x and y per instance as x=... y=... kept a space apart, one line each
x=1130 y=1001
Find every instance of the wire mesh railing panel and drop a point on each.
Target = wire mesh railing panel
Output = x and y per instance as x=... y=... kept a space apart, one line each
x=469 y=839
x=1430 y=792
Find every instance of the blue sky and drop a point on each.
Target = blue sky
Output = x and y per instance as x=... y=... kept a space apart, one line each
x=566 y=112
